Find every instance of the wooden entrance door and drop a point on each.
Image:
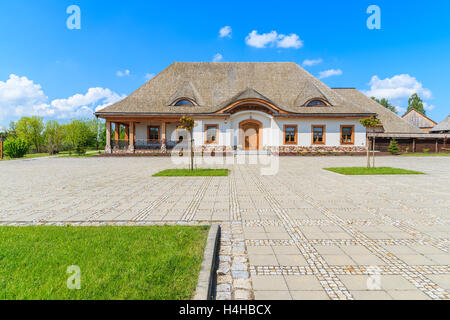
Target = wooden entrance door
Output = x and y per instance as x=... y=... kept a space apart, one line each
x=251 y=136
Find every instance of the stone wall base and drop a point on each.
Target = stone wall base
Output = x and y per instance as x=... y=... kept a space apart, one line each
x=212 y=150
x=288 y=149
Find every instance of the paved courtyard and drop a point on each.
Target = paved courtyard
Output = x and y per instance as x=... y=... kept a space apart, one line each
x=303 y=233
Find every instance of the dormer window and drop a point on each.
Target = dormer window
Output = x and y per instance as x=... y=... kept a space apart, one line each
x=184 y=103
x=316 y=103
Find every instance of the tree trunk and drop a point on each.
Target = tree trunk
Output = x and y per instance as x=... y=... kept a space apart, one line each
x=373 y=152
x=368 y=152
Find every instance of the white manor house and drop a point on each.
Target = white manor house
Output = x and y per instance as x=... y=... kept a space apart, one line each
x=260 y=106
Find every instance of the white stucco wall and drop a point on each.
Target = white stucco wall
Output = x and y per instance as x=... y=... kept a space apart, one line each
x=332 y=131
x=273 y=135
x=223 y=135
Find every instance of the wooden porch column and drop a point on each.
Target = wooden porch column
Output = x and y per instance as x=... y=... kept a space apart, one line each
x=437 y=145
x=163 y=137
x=414 y=145
x=127 y=131
x=108 y=137
x=116 y=134
x=131 y=137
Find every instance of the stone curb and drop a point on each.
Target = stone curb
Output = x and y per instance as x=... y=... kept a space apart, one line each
x=205 y=285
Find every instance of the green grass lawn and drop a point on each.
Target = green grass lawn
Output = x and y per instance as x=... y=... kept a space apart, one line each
x=155 y=263
x=426 y=154
x=357 y=171
x=62 y=154
x=189 y=173
x=29 y=156
x=86 y=155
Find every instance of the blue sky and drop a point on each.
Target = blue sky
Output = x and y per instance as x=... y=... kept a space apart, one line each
x=49 y=70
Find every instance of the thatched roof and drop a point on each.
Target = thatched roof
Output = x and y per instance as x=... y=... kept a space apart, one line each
x=443 y=126
x=211 y=85
x=391 y=122
x=215 y=85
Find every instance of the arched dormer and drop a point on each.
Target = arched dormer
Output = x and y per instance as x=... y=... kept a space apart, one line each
x=250 y=99
x=311 y=96
x=183 y=102
x=317 y=102
x=185 y=96
x=251 y=105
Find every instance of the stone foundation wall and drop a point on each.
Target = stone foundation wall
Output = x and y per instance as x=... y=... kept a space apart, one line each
x=211 y=149
x=289 y=149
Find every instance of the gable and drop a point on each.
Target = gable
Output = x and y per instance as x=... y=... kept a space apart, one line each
x=418 y=119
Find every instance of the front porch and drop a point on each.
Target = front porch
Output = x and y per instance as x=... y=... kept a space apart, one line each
x=134 y=136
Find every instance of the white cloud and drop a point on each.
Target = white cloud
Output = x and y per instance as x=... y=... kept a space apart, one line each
x=124 y=73
x=20 y=96
x=429 y=107
x=400 y=110
x=149 y=76
x=95 y=98
x=256 y=40
x=398 y=87
x=330 y=73
x=313 y=62
x=225 y=32
x=290 y=41
x=217 y=57
x=261 y=40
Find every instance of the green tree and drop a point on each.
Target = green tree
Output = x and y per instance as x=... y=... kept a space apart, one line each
x=54 y=136
x=31 y=130
x=77 y=135
x=393 y=147
x=416 y=103
x=98 y=129
x=370 y=123
x=16 y=148
x=385 y=103
x=188 y=124
x=12 y=132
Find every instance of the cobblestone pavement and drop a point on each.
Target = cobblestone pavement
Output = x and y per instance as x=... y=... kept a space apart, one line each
x=303 y=233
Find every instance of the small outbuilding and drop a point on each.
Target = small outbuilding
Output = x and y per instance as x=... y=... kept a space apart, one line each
x=419 y=120
x=442 y=127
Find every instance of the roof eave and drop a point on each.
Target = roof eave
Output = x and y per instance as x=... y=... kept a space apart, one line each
x=337 y=115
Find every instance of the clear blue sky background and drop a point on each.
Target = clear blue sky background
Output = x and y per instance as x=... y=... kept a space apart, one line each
x=147 y=36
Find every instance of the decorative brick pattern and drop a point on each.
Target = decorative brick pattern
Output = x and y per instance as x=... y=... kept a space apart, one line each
x=302 y=224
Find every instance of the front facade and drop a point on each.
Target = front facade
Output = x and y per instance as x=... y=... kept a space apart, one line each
x=259 y=107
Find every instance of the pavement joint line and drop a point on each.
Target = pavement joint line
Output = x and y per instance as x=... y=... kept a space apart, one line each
x=334 y=288
x=195 y=203
x=417 y=279
x=144 y=213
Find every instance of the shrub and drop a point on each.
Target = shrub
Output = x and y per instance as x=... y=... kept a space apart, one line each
x=426 y=150
x=393 y=147
x=16 y=148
